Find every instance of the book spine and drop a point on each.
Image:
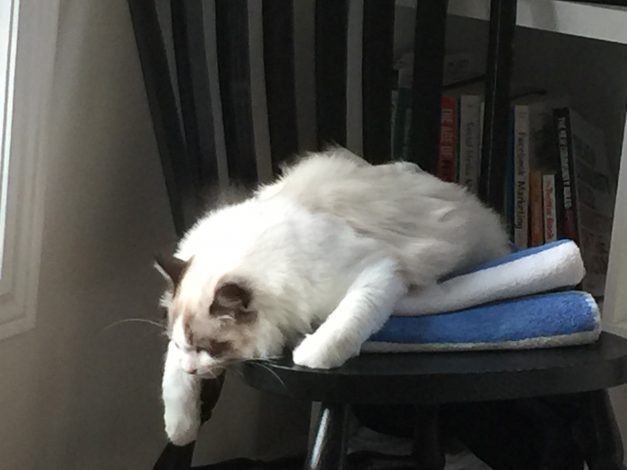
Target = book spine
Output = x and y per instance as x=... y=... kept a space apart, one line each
x=566 y=174
x=508 y=193
x=594 y=199
x=536 y=217
x=469 y=137
x=549 y=208
x=521 y=175
x=446 y=168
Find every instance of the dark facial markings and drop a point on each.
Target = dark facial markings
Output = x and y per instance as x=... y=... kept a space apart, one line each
x=187 y=330
x=174 y=268
x=213 y=347
x=233 y=299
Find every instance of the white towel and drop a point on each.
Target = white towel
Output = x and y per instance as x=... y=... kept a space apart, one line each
x=531 y=271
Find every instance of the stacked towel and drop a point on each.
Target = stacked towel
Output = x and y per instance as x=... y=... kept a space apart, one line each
x=519 y=301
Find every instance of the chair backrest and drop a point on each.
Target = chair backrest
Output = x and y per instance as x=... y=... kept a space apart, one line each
x=230 y=83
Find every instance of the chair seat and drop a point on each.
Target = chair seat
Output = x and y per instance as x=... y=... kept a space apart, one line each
x=437 y=378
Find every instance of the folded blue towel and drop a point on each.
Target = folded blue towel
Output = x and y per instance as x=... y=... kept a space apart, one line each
x=539 y=321
x=552 y=266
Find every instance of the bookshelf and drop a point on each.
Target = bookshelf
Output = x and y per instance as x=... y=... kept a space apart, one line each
x=605 y=23
x=575 y=49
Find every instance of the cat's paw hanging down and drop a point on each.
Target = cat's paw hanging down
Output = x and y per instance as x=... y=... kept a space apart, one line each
x=181 y=401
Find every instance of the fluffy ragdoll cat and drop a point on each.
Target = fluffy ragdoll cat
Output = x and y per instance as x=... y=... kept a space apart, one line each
x=317 y=262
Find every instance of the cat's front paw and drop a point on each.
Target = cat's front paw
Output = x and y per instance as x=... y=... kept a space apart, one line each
x=182 y=426
x=181 y=400
x=316 y=354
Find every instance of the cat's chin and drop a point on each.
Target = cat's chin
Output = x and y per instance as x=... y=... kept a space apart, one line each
x=213 y=373
x=207 y=375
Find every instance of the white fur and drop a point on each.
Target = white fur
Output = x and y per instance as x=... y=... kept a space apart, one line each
x=362 y=312
x=336 y=242
x=189 y=359
x=181 y=400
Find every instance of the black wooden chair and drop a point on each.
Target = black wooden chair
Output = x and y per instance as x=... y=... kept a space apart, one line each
x=204 y=119
x=572 y=382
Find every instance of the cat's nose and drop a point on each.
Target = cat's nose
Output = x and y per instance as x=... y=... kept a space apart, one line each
x=189 y=370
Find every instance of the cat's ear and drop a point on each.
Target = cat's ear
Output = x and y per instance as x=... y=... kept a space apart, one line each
x=232 y=299
x=171 y=267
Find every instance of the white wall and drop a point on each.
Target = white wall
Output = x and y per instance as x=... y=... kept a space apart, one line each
x=74 y=394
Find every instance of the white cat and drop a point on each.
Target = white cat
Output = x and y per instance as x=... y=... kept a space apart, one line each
x=335 y=243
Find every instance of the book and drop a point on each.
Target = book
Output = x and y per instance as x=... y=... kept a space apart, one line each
x=568 y=223
x=591 y=202
x=542 y=156
x=446 y=165
x=458 y=66
x=533 y=155
x=549 y=208
x=536 y=213
x=508 y=191
x=469 y=141
x=521 y=175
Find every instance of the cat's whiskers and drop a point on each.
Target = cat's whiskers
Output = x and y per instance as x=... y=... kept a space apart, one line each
x=134 y=320
x=256 y=362
x=263 y=366
x=208 y=375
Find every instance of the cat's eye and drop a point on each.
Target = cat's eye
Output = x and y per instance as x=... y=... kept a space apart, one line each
x=214 y=348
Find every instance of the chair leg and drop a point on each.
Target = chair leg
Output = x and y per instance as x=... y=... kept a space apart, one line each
x=175 y=457
x=328 y=448
x=597 y=433
x=428 y=450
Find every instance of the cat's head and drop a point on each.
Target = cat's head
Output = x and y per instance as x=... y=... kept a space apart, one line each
x=211 y=322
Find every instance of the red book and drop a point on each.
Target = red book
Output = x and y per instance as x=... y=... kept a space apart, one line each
x=446 y=168
x=548 y=202
x=536 y=215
